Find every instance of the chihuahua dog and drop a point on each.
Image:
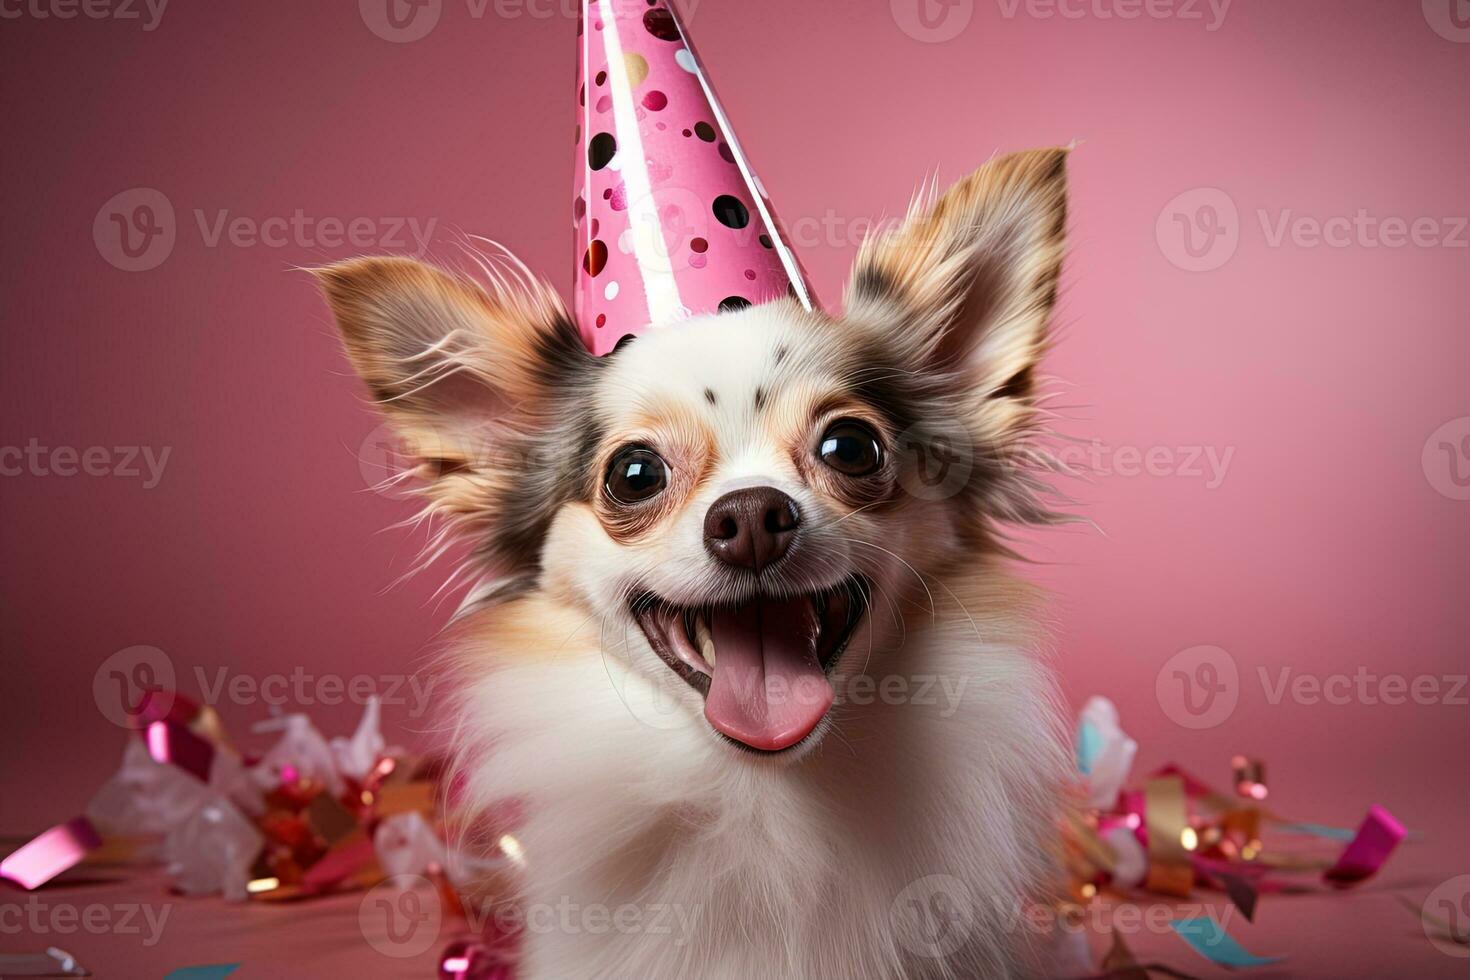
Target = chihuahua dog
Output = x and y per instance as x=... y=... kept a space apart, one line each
x=746 y=651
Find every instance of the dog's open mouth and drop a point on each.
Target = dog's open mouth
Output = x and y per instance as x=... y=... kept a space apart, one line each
x=761 y=665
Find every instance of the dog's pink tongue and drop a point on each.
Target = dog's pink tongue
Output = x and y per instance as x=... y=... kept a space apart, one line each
x=769 y=690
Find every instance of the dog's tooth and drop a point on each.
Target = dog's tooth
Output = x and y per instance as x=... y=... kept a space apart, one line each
x=703 y=640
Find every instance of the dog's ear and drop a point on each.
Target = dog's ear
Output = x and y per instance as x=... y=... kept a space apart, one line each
x=454 y=367
x=964 y=287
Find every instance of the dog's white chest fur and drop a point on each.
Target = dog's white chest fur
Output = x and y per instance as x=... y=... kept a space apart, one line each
x=652 y=852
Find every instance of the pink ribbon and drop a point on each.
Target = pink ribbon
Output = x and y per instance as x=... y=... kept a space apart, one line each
x=50 y=853
x=1369 y=849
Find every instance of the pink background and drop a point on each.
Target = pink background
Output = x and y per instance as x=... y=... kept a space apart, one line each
x=1325 y=549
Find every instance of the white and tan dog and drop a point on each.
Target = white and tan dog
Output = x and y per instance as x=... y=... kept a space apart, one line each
x=749 y=675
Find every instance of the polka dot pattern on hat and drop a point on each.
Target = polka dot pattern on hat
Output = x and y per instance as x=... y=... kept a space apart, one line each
x=669 y=222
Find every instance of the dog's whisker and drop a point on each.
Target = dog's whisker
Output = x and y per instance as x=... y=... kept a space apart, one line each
x=898 y=619
x=855 y=511
x=867 y=610
x=911 y=568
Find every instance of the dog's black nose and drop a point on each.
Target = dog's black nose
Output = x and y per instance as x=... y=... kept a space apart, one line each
x=751 y=528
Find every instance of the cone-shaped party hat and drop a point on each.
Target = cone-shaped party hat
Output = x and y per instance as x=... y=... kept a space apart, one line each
x=671 y=221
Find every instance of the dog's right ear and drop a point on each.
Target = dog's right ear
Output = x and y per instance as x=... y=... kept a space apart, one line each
x=451 y=364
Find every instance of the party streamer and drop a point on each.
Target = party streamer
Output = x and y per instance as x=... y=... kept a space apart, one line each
x=50 y=853
x=214 y=971
x=1206 y=938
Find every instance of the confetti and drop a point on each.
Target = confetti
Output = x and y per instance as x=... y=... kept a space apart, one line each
x=1369 y=849
x=50 y=853
x=1207 y=939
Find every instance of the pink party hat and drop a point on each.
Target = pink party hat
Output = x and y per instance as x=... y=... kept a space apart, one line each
x=671 y=221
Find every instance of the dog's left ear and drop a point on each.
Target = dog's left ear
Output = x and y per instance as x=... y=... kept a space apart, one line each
x=482 y=384
x=965 y=287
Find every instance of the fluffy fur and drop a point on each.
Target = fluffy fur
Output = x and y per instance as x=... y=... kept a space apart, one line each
x=805 y=863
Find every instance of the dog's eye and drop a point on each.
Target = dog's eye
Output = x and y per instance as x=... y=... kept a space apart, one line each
x=636 y=474
x=851 y=447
